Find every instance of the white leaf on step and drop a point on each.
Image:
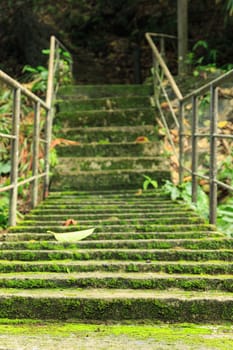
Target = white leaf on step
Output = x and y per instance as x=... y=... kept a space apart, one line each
x=72 y=237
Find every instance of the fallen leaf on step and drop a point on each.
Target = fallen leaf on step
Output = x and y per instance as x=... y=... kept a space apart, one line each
x=61 y=141
x=222 y=124
x=70 y=222
x=139 y=192
x=113 y=218
x=187 y=179
x=141 y=139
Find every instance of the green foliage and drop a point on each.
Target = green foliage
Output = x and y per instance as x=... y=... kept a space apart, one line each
x=184 y=192
x=148 y=182
x=202 y=58
x=4 y=204
x=225 y=217
x=5 y=168
x=39 y=75
x=226 y=170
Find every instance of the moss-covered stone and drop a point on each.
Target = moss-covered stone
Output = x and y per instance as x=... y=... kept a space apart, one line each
x=169 y=309
x=109 y=103
x=93 y=91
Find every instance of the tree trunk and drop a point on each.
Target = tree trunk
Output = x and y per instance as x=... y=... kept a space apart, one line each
x=182 y=27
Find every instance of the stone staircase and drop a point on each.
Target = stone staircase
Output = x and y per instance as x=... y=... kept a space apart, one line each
x=149 y=258
x=118 y=141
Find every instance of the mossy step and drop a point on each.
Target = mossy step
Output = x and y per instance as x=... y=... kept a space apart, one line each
x=93 y=91
x=112 y=194
x=42 y=211
x=121 y=196
x=101 y=202
x=102 y=304
x=103 y=205
x=73 y=165
x=116 y=280
x=155 y=243
x=119 y=254
x=110 y=150
x=109 y=134
x=185 y=219
x=103 y=103
x=107 y=179
x=125 y=117
x=170 y=267
x=118 y=228
x=109 y=216
x=32 y=236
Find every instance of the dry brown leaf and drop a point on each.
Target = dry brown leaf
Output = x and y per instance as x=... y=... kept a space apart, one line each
x=70 y=222
x=222 y=124
x=62 y=141
x=139 y=192
x=141 y=139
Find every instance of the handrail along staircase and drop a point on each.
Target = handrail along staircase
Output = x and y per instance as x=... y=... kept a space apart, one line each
x=160 y=70
x=56 y=49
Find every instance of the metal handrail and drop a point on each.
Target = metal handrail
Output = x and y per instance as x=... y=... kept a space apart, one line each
x=159 y=66
x=18 y=91
x=213 y=135
x=158 y=58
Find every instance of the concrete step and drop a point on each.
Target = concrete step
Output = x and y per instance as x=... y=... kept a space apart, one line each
x=77 y=164
x=114 y=179
x=117 y=304
x=149 y=243
x=212 y=267
x=110 y=226
x=108 y=134
x=121 y=215
x=94 y=91
x=119 y=254
x=110 y=150
x=104 y=103
x=34 y=236
x=103 y=118
x=116 y=280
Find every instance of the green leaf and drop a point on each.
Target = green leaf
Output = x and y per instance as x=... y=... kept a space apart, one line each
x=46 y=51
x=5 y=168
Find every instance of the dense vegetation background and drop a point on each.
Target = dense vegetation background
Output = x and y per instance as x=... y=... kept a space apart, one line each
x=105 y=36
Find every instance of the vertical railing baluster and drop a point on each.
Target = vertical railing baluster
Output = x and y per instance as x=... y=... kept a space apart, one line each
x=213 y=153
x=49 y=113
x=46 y=153
x=181 y=143
x=14 y=156
x=35 y=159
x=162 y=48
x=194 y=149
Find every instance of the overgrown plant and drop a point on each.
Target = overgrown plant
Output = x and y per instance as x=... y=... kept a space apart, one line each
x=148 y=182
x=38 y=76
x=225 y=217
x=184 y=192
x=4 y=204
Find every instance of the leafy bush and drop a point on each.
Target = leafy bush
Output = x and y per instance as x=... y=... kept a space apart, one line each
x=4 y=203
x=225 y=217
x=184 y=192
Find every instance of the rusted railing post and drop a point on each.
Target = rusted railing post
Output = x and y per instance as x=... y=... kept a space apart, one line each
x=181 y=142
x=49 y=114
x=36 y=139
x=194 y=149
x=14 y=156
x=213 y=153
